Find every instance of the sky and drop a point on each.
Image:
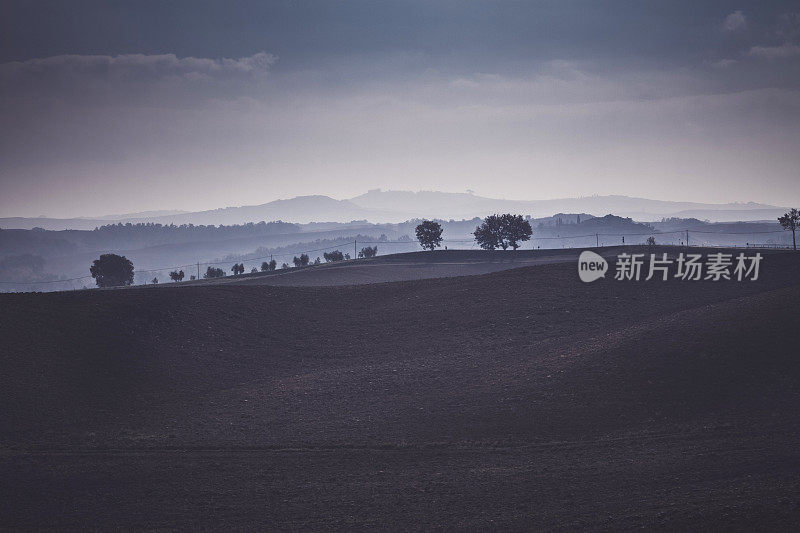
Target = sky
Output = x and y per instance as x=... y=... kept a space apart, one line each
x=118 y=107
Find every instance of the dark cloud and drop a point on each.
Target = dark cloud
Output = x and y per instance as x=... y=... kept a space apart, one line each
x=125 y=105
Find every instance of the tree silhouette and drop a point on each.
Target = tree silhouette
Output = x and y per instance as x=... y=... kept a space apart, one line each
x=368 y=252
x=502 y=231
x=300 y=261
x=429 y=234
x=513 y=229
x=176 y=276
x=112 y=270
x=332 y=257
x=489 y=235
x=212 y=272
x=790 y=221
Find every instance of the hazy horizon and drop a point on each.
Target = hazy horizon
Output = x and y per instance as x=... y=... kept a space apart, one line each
x=164 y=212
x=119 y=108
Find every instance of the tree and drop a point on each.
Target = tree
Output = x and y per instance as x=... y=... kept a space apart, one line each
x=272 y=265
x=192 y=277
x=502 y=231
x=368 y=252
x=651 y=241
x=212 y=272
x=790 y=221
x=332 y=257
x=429 y=234
x=284 y=265
x=488 y=234
x=237 y=268
x=155 y=281
x=513 y=229
x=300 y=261
x=253 y=270
x=264 y=266
x=176 y=276
x=112 y=270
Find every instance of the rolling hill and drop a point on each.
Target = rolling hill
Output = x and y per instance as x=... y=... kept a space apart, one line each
x=521 y=399
x=379 y=206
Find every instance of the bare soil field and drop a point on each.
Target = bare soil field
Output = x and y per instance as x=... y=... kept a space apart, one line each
x=518 y=399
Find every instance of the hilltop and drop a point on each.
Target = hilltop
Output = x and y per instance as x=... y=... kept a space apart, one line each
x=378 y=206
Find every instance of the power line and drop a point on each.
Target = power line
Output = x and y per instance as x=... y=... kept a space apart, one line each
x=179 y=266
x=410 y=242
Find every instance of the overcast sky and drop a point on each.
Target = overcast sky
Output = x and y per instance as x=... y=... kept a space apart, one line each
x=113 y=107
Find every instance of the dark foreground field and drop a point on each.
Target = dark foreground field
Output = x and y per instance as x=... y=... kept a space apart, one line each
x=518 y=399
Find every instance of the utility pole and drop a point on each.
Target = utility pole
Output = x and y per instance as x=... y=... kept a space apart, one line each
x=355 y=249
x=687 y=237
x=597 y=237
x=198 y=270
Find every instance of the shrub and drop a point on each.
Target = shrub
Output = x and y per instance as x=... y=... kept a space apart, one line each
x=332 y=257
x=368 y=252
x=213 y=272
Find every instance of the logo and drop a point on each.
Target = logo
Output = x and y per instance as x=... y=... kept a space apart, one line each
x=591 y=266
x=688 y=267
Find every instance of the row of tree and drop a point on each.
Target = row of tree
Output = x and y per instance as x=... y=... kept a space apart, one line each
x=496 y=231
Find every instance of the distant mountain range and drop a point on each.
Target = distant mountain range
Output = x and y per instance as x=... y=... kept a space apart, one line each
x=396 y=206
